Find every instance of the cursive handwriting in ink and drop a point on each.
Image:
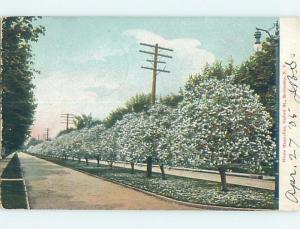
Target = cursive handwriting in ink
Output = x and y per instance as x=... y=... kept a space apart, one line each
x=292 y=79
x=291 y=193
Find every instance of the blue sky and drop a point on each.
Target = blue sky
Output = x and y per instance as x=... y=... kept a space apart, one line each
x=92 y=64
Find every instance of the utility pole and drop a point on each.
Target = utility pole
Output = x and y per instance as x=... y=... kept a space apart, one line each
x=46 y=135
x=68 y=119
x=276 y=38
x=155 y=53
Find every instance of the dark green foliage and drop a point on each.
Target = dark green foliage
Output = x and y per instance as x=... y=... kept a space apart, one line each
x=13 y=195
x=114 y=116
x=216 y=70
x=65 y=131
x=171 y=100
x=85 y=121
x=18 y=98
x=138 y=103
x=33 y=142
x=13 y=192
x=13 y=169
x=259 y=72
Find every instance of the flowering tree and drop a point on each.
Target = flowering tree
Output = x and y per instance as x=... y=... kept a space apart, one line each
x=95 y=142
x=110 y=145
x=130 y=138
x=146 y=135
x=159 y=127
x=220 y=124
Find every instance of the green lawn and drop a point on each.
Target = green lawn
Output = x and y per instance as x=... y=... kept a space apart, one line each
x=13 y=169
x=13 y=195
x=181 y=188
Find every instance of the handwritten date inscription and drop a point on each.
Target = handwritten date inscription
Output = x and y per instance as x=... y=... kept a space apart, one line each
x=293 y=147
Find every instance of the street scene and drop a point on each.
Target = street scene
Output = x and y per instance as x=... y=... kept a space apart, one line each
x=139 y=113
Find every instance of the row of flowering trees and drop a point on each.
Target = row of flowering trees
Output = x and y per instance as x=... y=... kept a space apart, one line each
x=217 y=123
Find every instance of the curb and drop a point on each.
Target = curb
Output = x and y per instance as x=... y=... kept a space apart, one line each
x=200 y=206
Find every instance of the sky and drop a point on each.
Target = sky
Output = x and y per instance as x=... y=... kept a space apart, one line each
x=92 y=65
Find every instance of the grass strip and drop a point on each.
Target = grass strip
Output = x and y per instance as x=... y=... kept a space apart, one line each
x=13 y=194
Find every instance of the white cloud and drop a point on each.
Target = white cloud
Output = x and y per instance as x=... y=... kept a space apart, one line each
x=99 y=54
x=188 y=53
x=99 y=91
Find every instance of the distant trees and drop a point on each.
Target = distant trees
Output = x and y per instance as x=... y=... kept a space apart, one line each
x=18 y=99
x=33 y=142
x=85 y=121
x=259 y=73
x=137 y=103
x=140 y=103
x=65 y=131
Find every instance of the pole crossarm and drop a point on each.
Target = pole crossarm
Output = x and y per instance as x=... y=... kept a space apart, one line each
x=159 y=62
x=158 y=70
x=68 y=119
x=159 y=47
x=155 y=52
x=158 y=54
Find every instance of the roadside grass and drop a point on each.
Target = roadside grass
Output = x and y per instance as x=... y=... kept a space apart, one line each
x=13 y=169
x=181 y=188
x=13 y=195
x=13 y=192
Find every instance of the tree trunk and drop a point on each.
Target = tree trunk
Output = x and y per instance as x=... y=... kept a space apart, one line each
x=223 y=179
x=132 y=167
x=149 y=167
x=162 y=169
x=79 y=160
x=86 y=161
x=73 y=158
x=98 y=162
x=110 y=164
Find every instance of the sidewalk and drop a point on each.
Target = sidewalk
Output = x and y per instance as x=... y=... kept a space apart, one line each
x=231 y=179
x=51 y=186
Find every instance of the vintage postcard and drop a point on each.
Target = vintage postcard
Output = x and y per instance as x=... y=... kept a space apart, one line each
x=150 y=113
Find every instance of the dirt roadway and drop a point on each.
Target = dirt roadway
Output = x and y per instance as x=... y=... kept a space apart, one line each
x=51 y=186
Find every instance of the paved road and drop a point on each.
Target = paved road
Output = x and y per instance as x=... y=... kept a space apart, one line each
x=246 y=181
x=51 y=186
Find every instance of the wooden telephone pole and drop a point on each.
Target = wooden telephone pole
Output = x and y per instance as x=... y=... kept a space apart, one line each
x=46 y=135
x=155 y=63
x=68 y=119
x=155 y=53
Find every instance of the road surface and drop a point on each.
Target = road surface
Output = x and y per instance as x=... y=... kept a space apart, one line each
x=51 y=186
